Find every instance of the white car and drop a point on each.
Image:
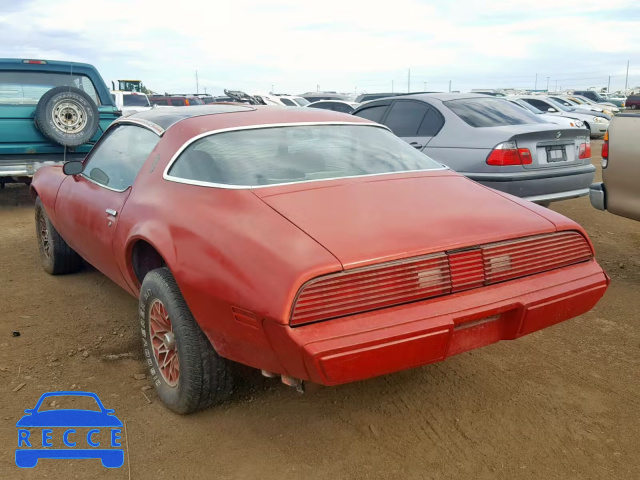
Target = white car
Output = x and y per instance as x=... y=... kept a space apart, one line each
x=130 y=102
x=595 y=121
x=547 y=117
x=282 y=100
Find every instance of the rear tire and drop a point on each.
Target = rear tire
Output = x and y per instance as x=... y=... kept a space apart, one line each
x=186 y=371
x=57 y=257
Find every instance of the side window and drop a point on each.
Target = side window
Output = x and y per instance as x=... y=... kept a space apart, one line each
x=431 y=124
x=539 y=104
x=405 y=118
x=288 y=103
x=161 y=102
x=177 y=102
x=116 y=160
x=373 y=113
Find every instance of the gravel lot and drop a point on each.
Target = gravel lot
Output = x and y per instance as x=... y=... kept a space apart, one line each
x=559 y=404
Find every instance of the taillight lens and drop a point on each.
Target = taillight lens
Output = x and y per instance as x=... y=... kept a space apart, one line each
x=371 y=288
x=605 y=150
x=35 y=62
x=420 y=278
x=585 y=150
x=507 y=153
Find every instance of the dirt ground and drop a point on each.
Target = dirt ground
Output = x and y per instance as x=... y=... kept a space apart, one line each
x=559 y=404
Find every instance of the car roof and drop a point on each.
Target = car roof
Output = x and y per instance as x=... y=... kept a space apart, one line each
x=203 y=118
x=443 y=97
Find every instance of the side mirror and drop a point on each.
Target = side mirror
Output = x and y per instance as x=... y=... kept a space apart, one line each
x=551 y=109
x=73 y=168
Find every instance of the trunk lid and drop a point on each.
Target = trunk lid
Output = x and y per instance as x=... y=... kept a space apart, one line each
x=553 y=148
x=367 y=221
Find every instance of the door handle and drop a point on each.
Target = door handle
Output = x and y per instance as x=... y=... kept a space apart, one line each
x=416 y=145
x=112 y=212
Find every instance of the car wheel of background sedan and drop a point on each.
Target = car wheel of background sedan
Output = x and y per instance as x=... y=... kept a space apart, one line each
x=57 y=257
x=68 y=116
x=187 y=372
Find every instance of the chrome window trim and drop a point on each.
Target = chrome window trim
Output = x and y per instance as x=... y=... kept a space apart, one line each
x=101 y=185
x=141 y=122
x=171 y=178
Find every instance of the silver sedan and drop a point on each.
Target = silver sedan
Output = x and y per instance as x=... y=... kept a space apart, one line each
x=491 y=141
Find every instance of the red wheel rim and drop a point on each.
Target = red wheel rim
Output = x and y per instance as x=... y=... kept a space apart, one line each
x=44 y=235
x=164 y=343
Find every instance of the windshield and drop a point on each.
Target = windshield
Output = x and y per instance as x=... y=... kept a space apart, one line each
x=558 y=105
x=276 y=155
x=26 y=88
x=301 y=101
x=79 y=402
x=135 y=101
x=490 y=112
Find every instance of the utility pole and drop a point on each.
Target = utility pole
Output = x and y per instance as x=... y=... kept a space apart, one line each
x=536 y=85
x=197 y=87
x=271 y=88
x=547 y=84
x=391 y=86
x=609 y=85
x=205 y=90
x=449 y=86
x=556 y=85
x=425 y=87
x=409 y=82
x=317 y=88
x=626 y=80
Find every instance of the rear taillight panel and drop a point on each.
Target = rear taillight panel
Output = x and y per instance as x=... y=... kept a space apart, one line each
x=421 y=278
x=605 y=150
x=371 y=288
x=507 y=153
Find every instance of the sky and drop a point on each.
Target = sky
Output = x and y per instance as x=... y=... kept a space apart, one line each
x=342 y=45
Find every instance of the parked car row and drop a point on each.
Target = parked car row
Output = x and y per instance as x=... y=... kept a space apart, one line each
x=492 y=141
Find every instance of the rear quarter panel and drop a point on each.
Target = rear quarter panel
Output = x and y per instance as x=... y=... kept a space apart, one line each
x=622 y=175
x=226 y=249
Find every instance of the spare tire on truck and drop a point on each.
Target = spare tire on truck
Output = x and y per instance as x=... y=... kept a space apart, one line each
x=68 y=116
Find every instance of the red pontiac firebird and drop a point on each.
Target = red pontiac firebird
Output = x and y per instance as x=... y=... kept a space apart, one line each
x=310 y=244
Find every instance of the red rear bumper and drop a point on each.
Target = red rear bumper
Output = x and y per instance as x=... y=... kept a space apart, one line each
x=376 y=343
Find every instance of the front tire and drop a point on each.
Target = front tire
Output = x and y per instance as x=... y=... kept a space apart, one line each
x=186 y=371
x=57 y=257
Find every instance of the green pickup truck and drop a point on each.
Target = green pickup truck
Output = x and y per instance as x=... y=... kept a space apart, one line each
x=50 y=111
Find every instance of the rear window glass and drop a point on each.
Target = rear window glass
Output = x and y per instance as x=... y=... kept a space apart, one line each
x=26 y=88
x=490 y=112
x=301 y=101
x=270 y=156
x=195 y=101
x=135 y=101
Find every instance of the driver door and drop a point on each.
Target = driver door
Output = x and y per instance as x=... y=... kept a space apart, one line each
x=89 y=205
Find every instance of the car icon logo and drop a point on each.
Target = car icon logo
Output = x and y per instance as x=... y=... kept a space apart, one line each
x=558 y=135
x=83 y=433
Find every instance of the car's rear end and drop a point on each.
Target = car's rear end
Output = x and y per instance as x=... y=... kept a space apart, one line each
x=512 y=271
x=23 y=146
x=517 y=153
